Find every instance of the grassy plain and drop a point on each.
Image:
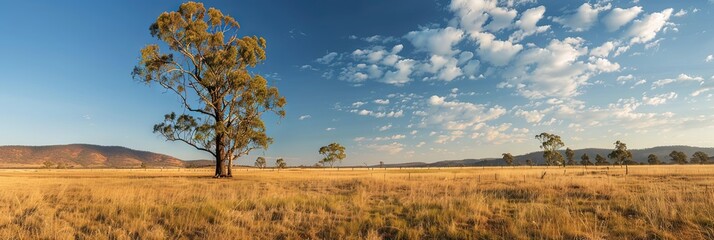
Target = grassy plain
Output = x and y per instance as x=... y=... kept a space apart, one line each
x=651 y=202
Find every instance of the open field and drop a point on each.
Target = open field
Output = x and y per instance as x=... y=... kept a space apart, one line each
x=659 y=202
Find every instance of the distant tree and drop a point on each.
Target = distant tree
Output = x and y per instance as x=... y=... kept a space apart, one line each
x=260 y=162
x=653 y=159
x=143 y=165
x=600 y=160
x=678 y=157
x=48 y=164
x=620 y=155
x=508 y=158
x=334 y=152
x=61 y=165
x=529 y=162
x=381 y=164
x=585 y=160
x=280 y=163
x=569 y=154
x=550 y=143
x=700 y=157
x=208 y=66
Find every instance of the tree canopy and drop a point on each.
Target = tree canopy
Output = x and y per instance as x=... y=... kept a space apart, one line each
x=620 y=155
x=334 y=152
x=550 y=143
x=207 y=65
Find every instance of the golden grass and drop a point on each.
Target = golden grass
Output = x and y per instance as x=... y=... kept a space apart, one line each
x=660 y=202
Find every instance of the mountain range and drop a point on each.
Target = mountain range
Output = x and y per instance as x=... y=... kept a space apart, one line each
x=94 y=156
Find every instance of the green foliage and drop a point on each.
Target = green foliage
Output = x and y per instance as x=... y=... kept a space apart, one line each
x=600 y=160
x=550 y=143
x=334 y=152
x=508 y=158
x=678 y=157
x=700 y=157
x=260 y=162
x=653 y=159
x=207 y=66
x=529 y=162
x=585 y=160
x=280 y=163
x=621 y=155
x=569 y=154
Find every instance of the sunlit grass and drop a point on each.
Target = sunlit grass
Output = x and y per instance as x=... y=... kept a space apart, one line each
x=661 y=202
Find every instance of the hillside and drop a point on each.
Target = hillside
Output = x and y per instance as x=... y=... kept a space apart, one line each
x=83 y=156
x=638 y=155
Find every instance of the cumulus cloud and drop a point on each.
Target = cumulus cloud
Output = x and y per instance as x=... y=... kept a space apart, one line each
x=554 y=71
x=436 y=41
x=709 y=58
x=681 y=78
x=303 y=117
x=645 y=29
x=533 y=116
x=456 y=115
x=527 y=24
x=583 y=18
x=497 y=52
x=381 y=101
x=603 y=50
x=385 y=127
x=619 y=17
x=391 y=148
x=327 y=59
x=658 y=99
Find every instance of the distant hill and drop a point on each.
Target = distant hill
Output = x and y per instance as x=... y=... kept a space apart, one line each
x=638 y=155
x=83 y=156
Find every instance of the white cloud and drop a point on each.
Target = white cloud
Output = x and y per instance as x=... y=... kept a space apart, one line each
x=385 y=127
x=709 y=58
x=645 y=29
x=329 y=129
x=533 y=116
x=436 y=41
x=327 y=59
x=303 y=117
x=390 y=114
x=497 y=52
x=554 y=71
x=527 y=24
x=625 y=78
x=584 y=18
x=680 y=13
x=681 y=78
x=358 y=104
x=392 y=148
x=658 y=99
x=603 y=50
x=455 y=115
x=400 y=76
x=618 y=17
x=381 y=101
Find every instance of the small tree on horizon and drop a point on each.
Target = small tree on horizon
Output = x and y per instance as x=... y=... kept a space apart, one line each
x=569 y=154
x=550 y=143
x=678 y=157
x=621 y=155
x=260 y=162
x=48 y=164
x=585 y=160
x=280 y=163
x=334 y=152
x=508 y=158
x=699 y=157
x=600 y=160
x=653 y=159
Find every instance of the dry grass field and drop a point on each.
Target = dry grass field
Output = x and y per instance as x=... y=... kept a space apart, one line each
x=661 y=202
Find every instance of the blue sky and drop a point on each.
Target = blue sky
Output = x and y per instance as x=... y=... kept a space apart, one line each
x=393 y=81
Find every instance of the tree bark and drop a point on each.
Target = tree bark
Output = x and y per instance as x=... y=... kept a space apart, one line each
x=230 y=167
